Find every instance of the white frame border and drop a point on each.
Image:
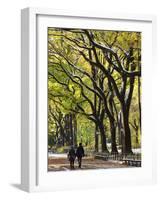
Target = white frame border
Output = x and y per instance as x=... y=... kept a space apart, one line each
x=29 y=173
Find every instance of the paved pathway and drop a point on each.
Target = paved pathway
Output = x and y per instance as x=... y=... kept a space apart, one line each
x=62 y=164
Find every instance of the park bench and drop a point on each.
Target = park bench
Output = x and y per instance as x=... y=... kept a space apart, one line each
x=102 y=156
x=128 y=159
x=132 y=162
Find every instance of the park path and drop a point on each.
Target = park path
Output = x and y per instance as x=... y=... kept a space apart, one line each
x=62 y=164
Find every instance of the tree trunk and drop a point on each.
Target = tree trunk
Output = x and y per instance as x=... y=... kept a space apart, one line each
x=75 y=129
x=71 y=129
x=103 y=138
x=96 y=138
x=113 y=137
x=121 y=132
x=125 y=111
x=67 y=131
x=127 y=132
x=136 y=138
x=62 y=134
x=112 y=125
x=139 y=101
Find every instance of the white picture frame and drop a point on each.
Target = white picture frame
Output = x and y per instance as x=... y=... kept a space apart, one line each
x=34 y=176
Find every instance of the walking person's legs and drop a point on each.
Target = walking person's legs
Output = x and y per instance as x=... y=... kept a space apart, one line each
x=70 y=164
x=73 y=164
x=79 y=161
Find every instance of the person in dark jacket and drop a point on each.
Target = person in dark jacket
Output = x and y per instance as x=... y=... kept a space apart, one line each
x=71 y=157
x=80 y=154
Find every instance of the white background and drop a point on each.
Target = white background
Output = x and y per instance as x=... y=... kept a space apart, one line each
x=10 y=98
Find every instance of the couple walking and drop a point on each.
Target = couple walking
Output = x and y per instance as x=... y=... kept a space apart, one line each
x=72 y=154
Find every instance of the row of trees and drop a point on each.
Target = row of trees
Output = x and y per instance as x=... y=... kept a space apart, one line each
x=95 y=75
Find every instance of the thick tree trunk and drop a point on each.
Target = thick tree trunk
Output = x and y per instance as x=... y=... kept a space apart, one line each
x=121 y=132
x=113 y=137
x=125 y=111
x=127 y=131
x=112 y=125
x=103 y=138
x=62 y=134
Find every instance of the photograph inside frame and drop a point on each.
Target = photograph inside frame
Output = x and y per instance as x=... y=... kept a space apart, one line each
x=94 y=99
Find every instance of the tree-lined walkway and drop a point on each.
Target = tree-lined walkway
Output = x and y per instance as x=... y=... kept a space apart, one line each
x=94 y=98
x=94 y=89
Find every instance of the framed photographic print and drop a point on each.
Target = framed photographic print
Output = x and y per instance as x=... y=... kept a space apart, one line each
x=86 y=107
